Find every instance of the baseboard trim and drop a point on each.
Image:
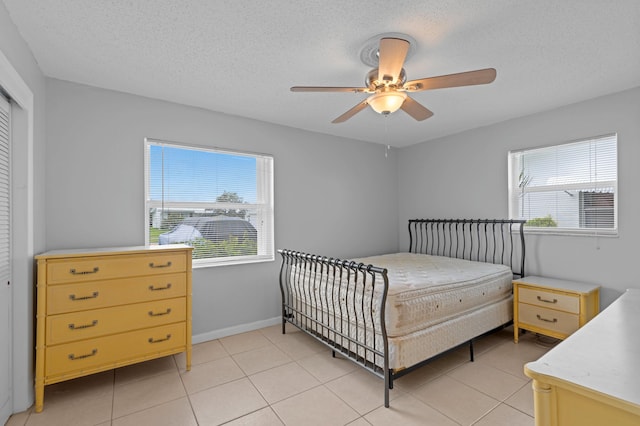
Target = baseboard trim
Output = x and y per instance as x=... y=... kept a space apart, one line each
x=236 y=329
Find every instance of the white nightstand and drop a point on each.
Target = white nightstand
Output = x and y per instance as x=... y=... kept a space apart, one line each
x=553 y=307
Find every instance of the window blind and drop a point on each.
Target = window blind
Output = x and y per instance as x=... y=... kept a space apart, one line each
x=218 y=201
x=5 y=197
x=571 y=187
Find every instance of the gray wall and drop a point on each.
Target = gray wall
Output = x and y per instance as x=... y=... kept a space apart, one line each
x=465 y=175
x=332 y=196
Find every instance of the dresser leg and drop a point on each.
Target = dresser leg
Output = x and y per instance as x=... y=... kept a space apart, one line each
x=543 y=403
x=39 y=397
x=39 y=373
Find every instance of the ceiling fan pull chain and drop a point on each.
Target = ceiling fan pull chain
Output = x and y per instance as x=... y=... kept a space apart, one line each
x=386 y=136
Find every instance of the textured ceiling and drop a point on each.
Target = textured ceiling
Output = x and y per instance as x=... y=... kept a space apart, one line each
x=240 y=57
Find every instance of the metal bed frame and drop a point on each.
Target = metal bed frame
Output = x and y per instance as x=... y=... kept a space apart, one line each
x=335 y=289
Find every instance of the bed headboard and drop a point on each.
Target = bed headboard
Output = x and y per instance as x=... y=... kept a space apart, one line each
x=499 y=241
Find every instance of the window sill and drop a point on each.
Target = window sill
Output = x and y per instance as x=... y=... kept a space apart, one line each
x=607 y=233
x=228 y=261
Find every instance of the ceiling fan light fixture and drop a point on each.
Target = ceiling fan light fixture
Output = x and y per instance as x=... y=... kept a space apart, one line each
x=386 y=102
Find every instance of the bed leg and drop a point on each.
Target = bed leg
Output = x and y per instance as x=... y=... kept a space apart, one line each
x=388 y=384
x=333 y=354
x=471 y=349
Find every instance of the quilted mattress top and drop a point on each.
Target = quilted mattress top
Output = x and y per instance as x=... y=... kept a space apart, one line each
x=425 y=290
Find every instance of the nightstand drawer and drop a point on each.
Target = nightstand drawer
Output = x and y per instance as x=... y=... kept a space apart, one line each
x=548 y=319
x=548 y=299
x=101 y=322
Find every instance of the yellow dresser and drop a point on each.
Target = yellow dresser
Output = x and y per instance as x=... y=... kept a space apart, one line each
x=100 y=309
x=591 y=378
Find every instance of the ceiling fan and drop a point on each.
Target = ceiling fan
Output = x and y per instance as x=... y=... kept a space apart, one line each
x=388 y=83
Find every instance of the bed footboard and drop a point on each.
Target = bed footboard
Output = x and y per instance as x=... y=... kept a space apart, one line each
x=342 y=304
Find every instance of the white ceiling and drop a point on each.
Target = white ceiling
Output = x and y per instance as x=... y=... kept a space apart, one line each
x=241 y=56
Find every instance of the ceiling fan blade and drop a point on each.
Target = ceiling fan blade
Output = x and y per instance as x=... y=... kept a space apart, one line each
x=415 y=109
x=329 y=89
x=353 y=111
x=468 y=78
x=393 y=52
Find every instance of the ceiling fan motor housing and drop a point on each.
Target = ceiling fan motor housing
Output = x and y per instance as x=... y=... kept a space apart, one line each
x=371 y=80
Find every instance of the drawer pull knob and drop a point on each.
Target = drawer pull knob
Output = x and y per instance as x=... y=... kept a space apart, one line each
x=152 y=340
x=547 y=300
x=72 y=357
x=74 y=298
x=547 y=320
x=153 y=314
x=166 y=265
x=79 y=327
x=73 y=271
x=167 y=287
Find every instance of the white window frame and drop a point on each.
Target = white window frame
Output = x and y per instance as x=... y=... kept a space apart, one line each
x=515 y=191
x=264 y=205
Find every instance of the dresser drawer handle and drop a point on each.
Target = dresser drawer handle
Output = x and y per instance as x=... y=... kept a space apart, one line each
x=93 y=271
x=152 y=340
x=547 y=320
x=153 y=314
x=74 y=298
x=166 y=265
x=167 y=287
x=72 y=357
x=547 y=300
x=78 y=327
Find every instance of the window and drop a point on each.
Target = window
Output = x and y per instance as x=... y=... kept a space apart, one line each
x=567 y=188
x=219 y=202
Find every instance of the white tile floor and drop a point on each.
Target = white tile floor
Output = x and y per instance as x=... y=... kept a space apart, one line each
x=266 y=378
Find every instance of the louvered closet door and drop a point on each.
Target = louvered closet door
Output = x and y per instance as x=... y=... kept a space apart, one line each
x=6 y=406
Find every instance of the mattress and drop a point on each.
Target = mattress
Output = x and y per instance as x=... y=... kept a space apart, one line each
x=425 y=290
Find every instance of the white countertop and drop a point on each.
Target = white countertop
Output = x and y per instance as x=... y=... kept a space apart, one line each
x=603 y=356
x=557 y=284
x=106 y=250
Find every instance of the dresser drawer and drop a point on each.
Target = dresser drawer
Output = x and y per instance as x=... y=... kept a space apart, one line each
x=547 y=299
x=108 y=352
x=105 y=267
x=75 y=326
x=548 y=319
x=101 y=294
